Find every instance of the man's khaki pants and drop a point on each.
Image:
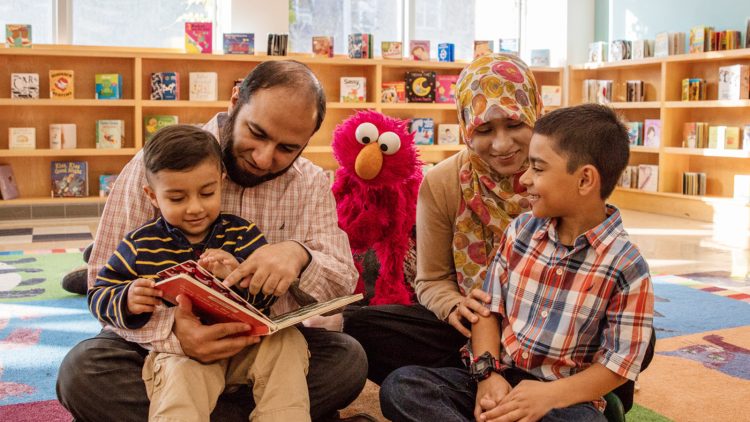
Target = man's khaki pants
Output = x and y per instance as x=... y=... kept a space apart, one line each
x=183 y=389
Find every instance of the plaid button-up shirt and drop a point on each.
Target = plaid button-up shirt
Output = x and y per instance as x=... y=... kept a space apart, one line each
x=563 y=308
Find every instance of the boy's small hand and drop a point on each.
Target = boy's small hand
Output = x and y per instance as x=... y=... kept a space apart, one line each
x=528 y=401
x=468 y=308
x=490 y=393
x=142 y=296
x=219 y=262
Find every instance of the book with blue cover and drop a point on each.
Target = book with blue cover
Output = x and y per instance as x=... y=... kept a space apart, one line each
x=108 y=86
x=446 y=52
x=69 y=178
x=165 y=86
x=424 y=130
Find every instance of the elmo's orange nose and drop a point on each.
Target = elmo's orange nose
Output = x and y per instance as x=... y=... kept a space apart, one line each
x=369 y=162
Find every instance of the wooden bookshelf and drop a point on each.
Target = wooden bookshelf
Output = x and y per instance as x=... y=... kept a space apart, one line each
x=663 y=80
x=32 y=167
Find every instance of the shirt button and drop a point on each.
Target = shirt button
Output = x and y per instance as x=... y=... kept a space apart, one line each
x=525 y=355
x=559 y=271
x=544 y=314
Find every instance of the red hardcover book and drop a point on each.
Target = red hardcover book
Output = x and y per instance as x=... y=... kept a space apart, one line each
x=216 y=303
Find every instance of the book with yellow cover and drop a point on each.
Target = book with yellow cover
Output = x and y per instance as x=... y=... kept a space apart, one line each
x=61 y=84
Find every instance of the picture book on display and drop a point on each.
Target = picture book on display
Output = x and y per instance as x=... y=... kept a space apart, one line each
x=448 y=134
x=69 y=178
x=652 y=133
x=215 y=303
x=108 y=86
x=391 y=50
x=551 y=95
x=110 y=134
x=353 y=89
x=446 y=52
x=24 y=85
x=598 y=52
x=8 y=186
x=277 y=44
x=360 y=46
x=419 y=50
x=393 y=92
x=420 y=86
x=203 y=86
x=239 y=43
x=424 y=131
x=62 y=136
x=648 y=177
x=508 y=45
x=322 y=46
x=165 y=86
x=61 y=84
x=22 y=138
x=540 y=57
x=446 y=88
x=18 y=35
x=198 y=37
x=483 y=47
x=106 y=181
x=635 y=133
x=153 y=123
x=642 y=49
x=734 y=82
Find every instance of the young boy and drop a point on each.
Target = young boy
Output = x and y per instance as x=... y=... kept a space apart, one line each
x=184 y=172
x=572 y=301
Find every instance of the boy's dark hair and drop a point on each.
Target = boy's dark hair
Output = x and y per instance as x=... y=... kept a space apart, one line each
x=180 y=148
x=589 y=134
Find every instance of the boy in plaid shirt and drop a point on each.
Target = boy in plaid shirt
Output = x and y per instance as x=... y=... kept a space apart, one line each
x=572 y=301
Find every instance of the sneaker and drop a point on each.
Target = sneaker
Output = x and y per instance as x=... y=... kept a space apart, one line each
x=76 y=281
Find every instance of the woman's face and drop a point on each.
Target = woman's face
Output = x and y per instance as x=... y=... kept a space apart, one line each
x=503 y=144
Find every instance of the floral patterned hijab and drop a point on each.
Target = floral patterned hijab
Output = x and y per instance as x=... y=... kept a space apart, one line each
x=492 y=86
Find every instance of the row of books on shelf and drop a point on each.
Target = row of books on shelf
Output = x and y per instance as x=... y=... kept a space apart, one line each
x=693 y=183
x=701 y=135
x=643 y=176
x=646 y=133
x=423 y=129
x=110 y=134
x=67 y=179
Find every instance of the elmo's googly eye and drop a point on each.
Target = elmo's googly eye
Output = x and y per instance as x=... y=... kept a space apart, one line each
x=366 y=133
x=390 y=143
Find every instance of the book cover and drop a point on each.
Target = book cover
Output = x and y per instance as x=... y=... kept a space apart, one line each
x=322 y=46
x=619 y=50
x=603 y=91
x=420 y=86
x=508 y=45
x=648 y=177
x=446 y=52
x=598 y=52
x=106 y=181
x=153 y=123
x=713 y=137
x=198 y=37
x=551 y=95
x=22 y=138
x=732 y=137
x=393 y=92
x=239 y=43
x=483 y=47
x=419 y=50
x=24 y=85
x=62 y=136
x=108 y=86
x=734 y=82
x=17 y=35
x=358 y=46
x=392 y=50
x=61 y=84
x=698 y=39
x=642 y=49
x=445 y=89
x=635 y=132
x=635 y=91
x=217 y=303
x=277 y=44
x=652 y=133
x=69 y=178
x=165 y=86
x=353 y=89
x=448 y=134
x=689 y=135
x=203 y=86
x=424 y=131
x=8 y=186
x=110 y=134
x=540 y=57
x=661 y=45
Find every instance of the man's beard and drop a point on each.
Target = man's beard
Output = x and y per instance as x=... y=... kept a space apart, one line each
x=240 y=176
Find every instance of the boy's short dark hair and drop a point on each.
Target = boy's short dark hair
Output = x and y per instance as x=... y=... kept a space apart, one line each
x=180 y=148
x=589 y=134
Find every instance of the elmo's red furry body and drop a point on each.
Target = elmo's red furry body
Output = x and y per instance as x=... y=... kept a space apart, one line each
x=376 y=195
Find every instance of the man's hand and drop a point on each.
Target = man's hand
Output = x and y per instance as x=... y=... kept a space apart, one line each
x=208 y=343
x=466 y=309
x=270 y=269
x=142 y=296
x=219 y=262
x=529 y=401
x=490 y=393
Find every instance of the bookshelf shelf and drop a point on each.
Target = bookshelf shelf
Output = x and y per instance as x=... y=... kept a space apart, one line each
x=708 y=104
x=636 y=105
x=41 y=200
x=708 y=152
x=32 y=167
x=642 y=149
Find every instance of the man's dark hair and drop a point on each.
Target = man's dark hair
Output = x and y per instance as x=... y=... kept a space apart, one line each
x=180 y=148
x=589 y=134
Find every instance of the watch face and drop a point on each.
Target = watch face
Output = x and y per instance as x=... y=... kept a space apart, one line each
x=481 y=365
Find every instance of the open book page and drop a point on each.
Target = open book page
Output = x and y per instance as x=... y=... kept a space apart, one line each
x=294 y=317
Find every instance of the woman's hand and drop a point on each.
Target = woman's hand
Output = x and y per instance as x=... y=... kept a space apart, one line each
x=467 y=309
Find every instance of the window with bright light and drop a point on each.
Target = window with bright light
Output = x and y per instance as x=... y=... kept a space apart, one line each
x=150 y=23
x=39 y=13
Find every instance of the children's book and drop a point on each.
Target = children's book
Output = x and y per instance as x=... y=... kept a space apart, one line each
x=483 y=47
x=24 y=85
x=598 y=52
x=652 y=133
x=61 y=84
x=448 y=134
x=8 y=186
x=277 y=44
x=446 y=89
x=419 y=50
x=424 y=130
x=153 y=123
x=239 y=43
x=165 y=86
x=540 y=57
x=198 y=37
x=734 y=82
x=322 y=46
x=619 y=50
x=391 y=50
x=353 y=89
x=106 y=181
x=661 y=45
x=508 y=45
x=446 y=52
x=203 y=86
x=393 y=92
x=642 y=49
x=108 y=86
x=110 y=134
x=69 y=178
x=420 y=86
x=648 y=177
x=216 y=303
x=22 y=138
x=635 y=133
x=551 y=95
x=62 y=136
x=18 y=35
x=360 y=46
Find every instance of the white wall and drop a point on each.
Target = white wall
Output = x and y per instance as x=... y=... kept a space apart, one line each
x=260 y=17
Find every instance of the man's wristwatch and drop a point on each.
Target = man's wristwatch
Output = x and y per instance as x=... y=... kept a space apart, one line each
x=481 y=367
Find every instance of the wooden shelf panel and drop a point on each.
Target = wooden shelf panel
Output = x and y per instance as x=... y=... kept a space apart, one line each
x=636 y=105
x=184 y=103
x=417 y=106
x=65 y=103
x=69 y=152
x=653 y=61
x=50 y=201
x=680 y=196
x=740 y=53
x=351 y=106
x=708 y=104
x=322 y=149
x=708 y=152
x=647 y=150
